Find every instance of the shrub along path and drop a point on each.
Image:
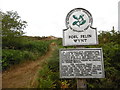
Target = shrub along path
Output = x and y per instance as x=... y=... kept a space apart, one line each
x=24 y=75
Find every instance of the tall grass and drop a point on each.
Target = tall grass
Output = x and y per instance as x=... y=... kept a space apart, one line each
x=48 y=75
x=24 y=50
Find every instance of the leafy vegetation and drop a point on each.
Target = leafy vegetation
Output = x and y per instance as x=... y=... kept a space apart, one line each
x=11 y=57
x=29 y=50
x=111 y=48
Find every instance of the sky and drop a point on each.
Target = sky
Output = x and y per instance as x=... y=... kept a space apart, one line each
x=47 y=17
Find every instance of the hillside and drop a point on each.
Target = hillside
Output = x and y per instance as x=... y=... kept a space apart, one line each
x=24 y=75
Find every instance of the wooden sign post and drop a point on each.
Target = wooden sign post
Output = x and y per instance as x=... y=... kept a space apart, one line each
x=80 y=63
x=81 y=83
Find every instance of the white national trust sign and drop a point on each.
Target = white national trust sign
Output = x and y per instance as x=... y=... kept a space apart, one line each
x=79 y=28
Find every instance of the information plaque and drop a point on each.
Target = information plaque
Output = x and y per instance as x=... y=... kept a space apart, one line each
x=81 y=63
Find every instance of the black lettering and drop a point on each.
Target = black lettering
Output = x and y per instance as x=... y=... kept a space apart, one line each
x=73 y=36
x=75 y=40
x=80 y=40
x=86 y=36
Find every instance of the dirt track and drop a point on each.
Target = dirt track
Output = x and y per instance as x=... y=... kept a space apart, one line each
x=24 y=75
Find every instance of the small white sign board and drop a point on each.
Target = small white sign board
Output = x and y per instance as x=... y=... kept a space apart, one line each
x=88 y=37
x=79 y=29
x=81 y=63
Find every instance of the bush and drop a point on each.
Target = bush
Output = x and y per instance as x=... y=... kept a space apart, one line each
x=36 y=46
x=11 y=57
x=44 y=79
x=111 y=57
x=49 y=74
x=22 y=49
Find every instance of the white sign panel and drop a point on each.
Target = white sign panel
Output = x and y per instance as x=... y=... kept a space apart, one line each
x=79 y=29
x=81 y=63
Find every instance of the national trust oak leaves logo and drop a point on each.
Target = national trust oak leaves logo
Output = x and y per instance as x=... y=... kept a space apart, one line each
x=79 y=20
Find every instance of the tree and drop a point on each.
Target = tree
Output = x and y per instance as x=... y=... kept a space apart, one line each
x=11 y=23
x=12 y=28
